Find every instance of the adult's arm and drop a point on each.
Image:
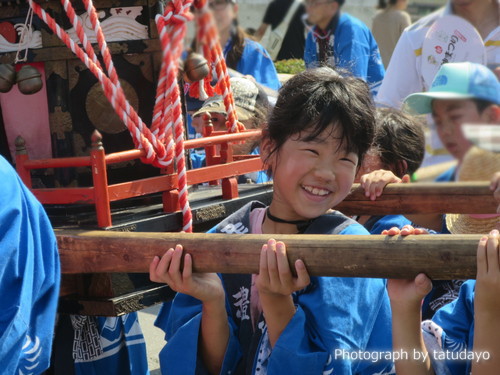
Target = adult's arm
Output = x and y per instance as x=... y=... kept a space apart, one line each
x=401 y=77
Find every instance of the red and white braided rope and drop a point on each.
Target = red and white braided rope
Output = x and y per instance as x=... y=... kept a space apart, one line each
x=209 y=36
x=143 y=137
x=172 y=29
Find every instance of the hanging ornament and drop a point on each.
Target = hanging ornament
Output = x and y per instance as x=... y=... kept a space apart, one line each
x=195 y=67
x=28 y=79
x=7 y=77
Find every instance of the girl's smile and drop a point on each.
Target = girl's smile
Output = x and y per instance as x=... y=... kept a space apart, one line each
x=311 y=176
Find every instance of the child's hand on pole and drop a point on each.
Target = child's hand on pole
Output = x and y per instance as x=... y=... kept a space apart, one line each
x=375 y=182
x=488 y=275
x=405 y=231
x=275 y=276
x=180 y=278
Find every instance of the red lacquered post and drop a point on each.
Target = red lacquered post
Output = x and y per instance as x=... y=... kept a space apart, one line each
x=229 y=185
x=170 y=198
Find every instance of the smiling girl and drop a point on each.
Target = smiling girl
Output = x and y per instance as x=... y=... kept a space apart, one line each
x=274 y=322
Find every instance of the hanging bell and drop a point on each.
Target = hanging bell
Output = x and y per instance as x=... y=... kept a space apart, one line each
x=29 y=80
x=195 y=68
x=7 y=77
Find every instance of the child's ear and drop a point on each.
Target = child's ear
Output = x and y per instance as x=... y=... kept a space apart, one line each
x=491 y=114
x=265 y=149
x=494 y=114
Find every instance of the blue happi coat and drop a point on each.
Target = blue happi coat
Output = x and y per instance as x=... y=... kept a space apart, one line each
x=29 y=278
x=108 y=345
x=353 y=48
x=332 y=313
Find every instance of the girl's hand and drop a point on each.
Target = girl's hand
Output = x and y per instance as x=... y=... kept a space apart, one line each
x=486 y=301
x=405 y=231
x=275 y=276
x=407 y=292
x=495 y=187
x=203 y=286
x=375 y=182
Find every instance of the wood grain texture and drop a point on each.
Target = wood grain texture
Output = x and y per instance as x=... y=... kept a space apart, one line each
x=423 y=198
x=439 y=256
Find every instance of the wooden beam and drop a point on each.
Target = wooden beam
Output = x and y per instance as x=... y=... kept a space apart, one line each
x=439 y=256
x=423 y=198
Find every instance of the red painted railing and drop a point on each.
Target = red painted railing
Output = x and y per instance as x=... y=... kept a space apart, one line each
x=223 y=166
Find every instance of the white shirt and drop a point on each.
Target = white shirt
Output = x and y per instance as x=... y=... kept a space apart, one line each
x=404 y=73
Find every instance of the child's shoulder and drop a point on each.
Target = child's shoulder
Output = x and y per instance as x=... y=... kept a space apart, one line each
x=239 y=221
x=335 y=222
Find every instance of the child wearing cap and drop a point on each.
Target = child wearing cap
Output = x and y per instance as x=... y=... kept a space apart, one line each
x=471 y=321
x=460 y=93
x=251 y=105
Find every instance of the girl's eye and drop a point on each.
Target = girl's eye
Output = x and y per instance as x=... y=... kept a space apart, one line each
x=312 y=151
x=349 y=160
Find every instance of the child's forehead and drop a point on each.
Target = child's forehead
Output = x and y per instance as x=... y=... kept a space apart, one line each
x=451 y=104
x=330 y=137
x=311 y=134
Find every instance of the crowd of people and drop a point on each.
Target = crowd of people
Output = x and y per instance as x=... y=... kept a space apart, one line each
x=352 y=116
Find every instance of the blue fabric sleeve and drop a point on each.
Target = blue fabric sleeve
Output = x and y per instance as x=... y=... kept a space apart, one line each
x=256 y=62
x=356 y=50
x=354 y=228
x=335 y=316
x=182 y=326
x=388 y=222
x=447 y=176
x=29 y=278
x=457 y=321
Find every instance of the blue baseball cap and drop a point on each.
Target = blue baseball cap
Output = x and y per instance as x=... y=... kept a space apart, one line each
x=463 y=80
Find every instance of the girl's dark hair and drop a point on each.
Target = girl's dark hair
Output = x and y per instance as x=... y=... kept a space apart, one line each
x=238 y=44
x=399 y=136
x=318 y=98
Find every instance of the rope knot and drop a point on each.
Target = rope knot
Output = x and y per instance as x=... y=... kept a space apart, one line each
x=178 y=13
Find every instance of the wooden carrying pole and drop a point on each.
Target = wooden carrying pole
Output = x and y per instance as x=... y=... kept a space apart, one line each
x=423 y=198
x=442 y=257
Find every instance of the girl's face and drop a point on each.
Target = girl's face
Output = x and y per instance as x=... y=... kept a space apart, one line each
x=224 y=13
x=310 y=177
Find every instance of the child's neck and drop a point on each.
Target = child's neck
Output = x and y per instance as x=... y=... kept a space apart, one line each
x=275 y=225
x=270 y=227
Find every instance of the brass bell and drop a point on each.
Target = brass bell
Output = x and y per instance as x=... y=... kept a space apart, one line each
x=29 y=80
x=7 y=77
x=195 y=68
